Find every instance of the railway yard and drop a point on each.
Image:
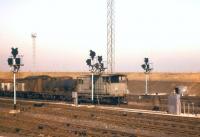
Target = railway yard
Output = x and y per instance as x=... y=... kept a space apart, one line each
x=46 y=109
x=54 y=119
x=53 y=83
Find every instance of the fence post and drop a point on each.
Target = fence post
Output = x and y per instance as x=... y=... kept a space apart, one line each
x=193 y=108
x=188 y=108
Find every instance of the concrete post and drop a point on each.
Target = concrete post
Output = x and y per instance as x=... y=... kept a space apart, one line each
x=192 y=108
x=14 y=90
x=184 y=107
x=188 y=108
x=92 y=87
x=146 y=84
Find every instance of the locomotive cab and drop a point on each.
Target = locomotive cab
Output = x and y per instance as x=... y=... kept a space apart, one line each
x=115 y=84
x=109 y=86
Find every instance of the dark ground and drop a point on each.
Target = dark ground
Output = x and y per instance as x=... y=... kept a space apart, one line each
x=53 y=120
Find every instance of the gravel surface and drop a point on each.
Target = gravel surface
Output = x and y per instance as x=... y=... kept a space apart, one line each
x=60 y=120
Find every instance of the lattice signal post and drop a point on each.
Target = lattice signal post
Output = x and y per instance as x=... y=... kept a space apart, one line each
x=110 y=37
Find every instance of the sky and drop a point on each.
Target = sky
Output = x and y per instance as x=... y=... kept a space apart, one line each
x=166 y=31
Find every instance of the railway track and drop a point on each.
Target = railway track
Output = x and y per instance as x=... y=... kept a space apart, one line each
x=60 y=126
x=141 y=122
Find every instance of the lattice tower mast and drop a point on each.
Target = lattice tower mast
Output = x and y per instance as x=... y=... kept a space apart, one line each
x=110 y=37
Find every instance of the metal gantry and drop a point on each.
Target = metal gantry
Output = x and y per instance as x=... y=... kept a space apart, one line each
x=110 y=36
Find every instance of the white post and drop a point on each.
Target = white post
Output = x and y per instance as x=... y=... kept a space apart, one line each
x=192 y=108
x=184 y=107
x=146 y=85
x=75 y=98
x=92 y=87
x=14 y=91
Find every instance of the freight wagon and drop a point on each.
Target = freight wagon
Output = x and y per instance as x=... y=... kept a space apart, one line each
x=41 y=87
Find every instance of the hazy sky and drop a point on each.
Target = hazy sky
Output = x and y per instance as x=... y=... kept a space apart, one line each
x=167 y=31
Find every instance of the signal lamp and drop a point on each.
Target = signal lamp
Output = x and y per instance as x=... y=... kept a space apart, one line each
x=18 y=61
x=96 y=66
x=92 y=54
x=100 y=59
x=95 y=63
x=146 y=60
x=88 y=61
x=143 y=66
x=10 y=61
x=14 y=52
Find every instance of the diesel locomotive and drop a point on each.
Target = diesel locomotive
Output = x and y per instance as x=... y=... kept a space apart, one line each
x=108 y=88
